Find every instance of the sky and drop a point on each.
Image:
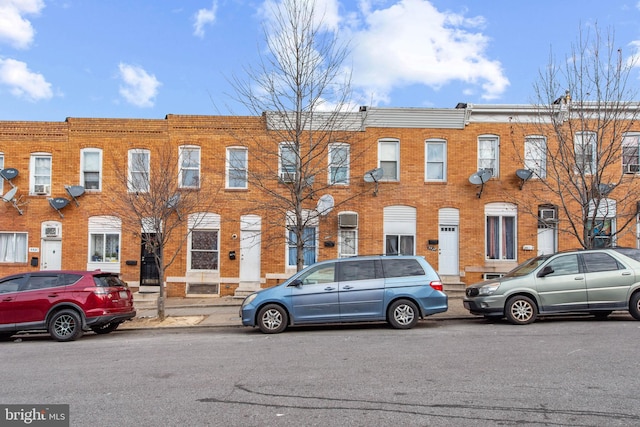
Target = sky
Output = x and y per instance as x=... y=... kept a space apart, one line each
x=150 y=58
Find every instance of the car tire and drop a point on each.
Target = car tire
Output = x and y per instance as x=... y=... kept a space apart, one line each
x=403 y=314
x=272 y=319
x=634 y=306
x=105 y=329
x=65 y=325
x=520 y=310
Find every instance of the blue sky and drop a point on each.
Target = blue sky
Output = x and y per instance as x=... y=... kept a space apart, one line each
x=149 y=58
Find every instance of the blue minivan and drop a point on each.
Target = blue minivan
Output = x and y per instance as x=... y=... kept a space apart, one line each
x=396 y=289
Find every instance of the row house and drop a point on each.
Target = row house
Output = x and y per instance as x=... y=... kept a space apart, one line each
x=453 y=185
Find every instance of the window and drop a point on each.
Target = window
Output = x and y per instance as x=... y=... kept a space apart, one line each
x=91 y=168
x=500 y=231
x=309 y=251
x=399 y=245
x=13 y=247
x=104 y=247
x=189 y=166
x=435 y=155
x=139 y=170
x=347 y=243
x=237 y=168
x=358 y=270
x=288 y=162
x=402 y=268
x=204 y=250
x=585 y=151
x=601 y=232
x=630 y=153
x=535 y=155
x=40 y=178
x=563 y=265
x=488 y=149
x=319 y=275
x=389 y=159
x=1 y=179
x=339 y=158
x=598 y=261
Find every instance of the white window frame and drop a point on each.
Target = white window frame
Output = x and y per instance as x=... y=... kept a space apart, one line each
x=206 y=222
x=389 y=152
x=132 y=169
x=13 y=247
x=431 y=162
x=189 y=167
x=84 y=167
x=535 y=155
x=501 y=211
x=37 y=177
x=310 y=220
x=104 y=225
x=489 y=154
x=240 y=172
x=287 y=169
x=338 y=163
x=580 y=141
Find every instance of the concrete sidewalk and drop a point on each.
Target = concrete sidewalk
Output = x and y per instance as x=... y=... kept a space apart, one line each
x=224 y=311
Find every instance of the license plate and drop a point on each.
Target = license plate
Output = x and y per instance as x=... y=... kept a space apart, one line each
x=123 y=294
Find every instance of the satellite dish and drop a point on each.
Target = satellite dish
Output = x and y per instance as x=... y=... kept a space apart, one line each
x=605 y=189
x=524 y=174
x=475 y=179
x=373 y=175
x=10 y=195
x=485 y=175
x=74 y=191
x=325 y=204
x=59 y=203
x=173 y=201
x=9 y=173
x=479 y=178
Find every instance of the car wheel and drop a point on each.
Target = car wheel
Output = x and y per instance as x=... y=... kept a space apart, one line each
x=65 y=325
x=105 y=329
x=272 y=319
x=403 y=314
x=634 y=306
x=521 y=310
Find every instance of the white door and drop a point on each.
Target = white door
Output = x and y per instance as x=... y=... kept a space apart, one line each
x=546 y=241
x=448 y=251
x=51 y=255
x=250 y=251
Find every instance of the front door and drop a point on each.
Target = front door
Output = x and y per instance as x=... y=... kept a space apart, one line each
x=149 y=275
x=250 y=248
x=51 y=255
x=546 y=240
x=448 y=251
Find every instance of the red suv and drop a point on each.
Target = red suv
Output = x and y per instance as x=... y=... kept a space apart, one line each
x=64 y=303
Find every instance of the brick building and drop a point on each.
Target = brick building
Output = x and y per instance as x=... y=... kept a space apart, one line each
x=443 y=183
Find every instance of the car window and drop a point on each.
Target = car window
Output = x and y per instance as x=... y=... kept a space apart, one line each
x=70 y=279
x=11 y=284
x=42 y=282
x=402 y=268
x=108 y=281
x=564 y=264
x=599 y=261
x=630 y=252
x=357 y=270
x=320 y=274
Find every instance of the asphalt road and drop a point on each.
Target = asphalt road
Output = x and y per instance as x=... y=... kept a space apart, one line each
x=556 y=372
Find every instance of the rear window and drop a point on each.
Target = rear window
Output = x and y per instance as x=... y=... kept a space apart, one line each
x=108 y=281
x=402 y=268
x=630 y=252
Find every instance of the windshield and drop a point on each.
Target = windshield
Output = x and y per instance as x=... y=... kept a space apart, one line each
x=527 y=266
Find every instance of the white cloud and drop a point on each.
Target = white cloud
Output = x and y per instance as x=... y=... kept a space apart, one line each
x=140 y=88
x=412 y=42
x=22 y=82
x=204 y=17
x=15 y=30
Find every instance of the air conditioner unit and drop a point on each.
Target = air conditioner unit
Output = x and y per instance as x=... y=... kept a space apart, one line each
x=287 y=177
x=52 y=231
x=548 y=214
x=630 y=168
x=348 y=220
x=41 y=189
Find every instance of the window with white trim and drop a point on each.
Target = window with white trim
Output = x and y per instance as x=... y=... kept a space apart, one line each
x=237 y=167
x=139 y=170
x=339 y=163
x=309 y=236
x=488 y=154
x=631 y=153
x=500 y=227
x=204 y=242
x=535 y=155
x=288 y=166
x=13 y=247
x=91 y=168
x=584 y=144
x=104 y=239
x=389 y=159
x=189 y=166
x=435 y=154
x=40 y=174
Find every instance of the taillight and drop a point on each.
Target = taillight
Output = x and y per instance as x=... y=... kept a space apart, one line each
x=98 y=290
x=437 y=285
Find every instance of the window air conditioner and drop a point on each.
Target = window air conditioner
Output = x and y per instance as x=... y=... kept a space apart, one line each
x=52 y=231
x=348 y=220
x=630 y=168
x=548 y=214
x=287 y=177
x=41 y=189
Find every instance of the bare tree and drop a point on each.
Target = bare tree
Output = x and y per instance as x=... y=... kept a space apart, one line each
x=302 y=89
x=160 y=198
x=584 y=114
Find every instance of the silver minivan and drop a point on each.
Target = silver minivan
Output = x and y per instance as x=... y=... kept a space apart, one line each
x=597 y=281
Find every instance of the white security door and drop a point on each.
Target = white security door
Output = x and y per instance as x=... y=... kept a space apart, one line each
x=51 y=255
x=448 y=250
x=546 y=241
x=250 y=251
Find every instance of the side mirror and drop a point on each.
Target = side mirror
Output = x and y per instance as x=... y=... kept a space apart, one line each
x=546 y=271
x=296 y=283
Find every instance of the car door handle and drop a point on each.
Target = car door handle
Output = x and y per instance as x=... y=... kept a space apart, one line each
x=52 y=295
x=329 y=288
x=626 y=273
x=578 y=278
x=7 y=299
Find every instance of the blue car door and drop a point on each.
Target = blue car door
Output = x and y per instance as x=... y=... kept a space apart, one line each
x=314 y=296
x=361 y=290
